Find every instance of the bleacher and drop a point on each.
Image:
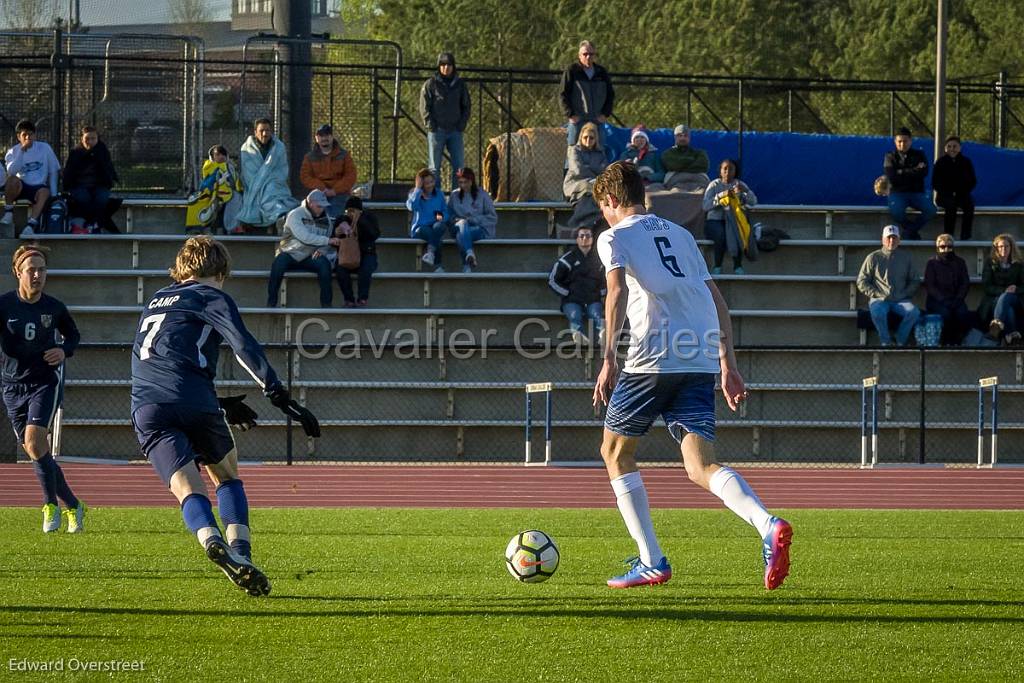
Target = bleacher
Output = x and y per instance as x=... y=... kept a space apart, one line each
x=457 y=406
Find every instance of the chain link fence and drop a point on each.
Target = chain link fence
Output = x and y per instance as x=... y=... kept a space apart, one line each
x=161 y=103
x=466 y=403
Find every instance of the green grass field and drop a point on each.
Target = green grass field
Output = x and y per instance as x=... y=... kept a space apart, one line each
x=423 y=594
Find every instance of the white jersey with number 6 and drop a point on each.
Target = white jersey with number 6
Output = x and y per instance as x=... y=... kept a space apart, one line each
x=673 y=323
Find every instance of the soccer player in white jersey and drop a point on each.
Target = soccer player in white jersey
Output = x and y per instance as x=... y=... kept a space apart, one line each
x=680 y=337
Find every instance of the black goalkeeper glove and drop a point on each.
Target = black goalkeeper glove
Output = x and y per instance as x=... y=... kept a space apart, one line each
x=280 y=399
x=237 y=414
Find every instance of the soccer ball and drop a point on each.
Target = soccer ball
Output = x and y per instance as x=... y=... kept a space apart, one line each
x=531 y=556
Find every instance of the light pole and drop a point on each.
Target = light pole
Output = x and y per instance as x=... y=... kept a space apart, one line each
x=940 y=79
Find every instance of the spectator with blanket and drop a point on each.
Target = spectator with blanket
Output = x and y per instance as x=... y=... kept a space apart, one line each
x=646 y=157
x=219 y=196
x=726 y=201
x=266 y=198
x=586 y=160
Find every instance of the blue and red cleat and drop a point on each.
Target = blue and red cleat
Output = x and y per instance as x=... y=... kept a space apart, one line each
x=640 y=574
x=776 y=553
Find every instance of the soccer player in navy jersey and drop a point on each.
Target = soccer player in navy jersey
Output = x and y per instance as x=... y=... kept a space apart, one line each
x=37 y=335
x=179 y=421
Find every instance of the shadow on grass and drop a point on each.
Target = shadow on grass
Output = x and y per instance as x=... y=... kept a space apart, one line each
x=766 y=611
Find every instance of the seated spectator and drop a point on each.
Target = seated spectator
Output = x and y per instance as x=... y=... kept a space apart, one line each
x=887 y=277
x=953 y=182
x=585 y=161
x=473 y=216
x=265 y=177
x=946 y=282
x=686 y=167
x=221 y=176
x=32 y=170
x=578 y=277
x=907 y=169
x=303 y=246
x=88 y=177
x=367 y=233
x=429 y=216
x=330 y=168
x=721 y=227
x=1001 y=277
x=645 y=156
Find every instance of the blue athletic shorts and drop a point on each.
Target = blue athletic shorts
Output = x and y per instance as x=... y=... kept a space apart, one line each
x=32 y=404
x=173 y=435
x=686 y=401
x=28 y=192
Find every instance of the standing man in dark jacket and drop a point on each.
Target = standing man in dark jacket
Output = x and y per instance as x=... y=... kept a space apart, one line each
x=906 y=168
x=586 y=93
x=444 y=106
x=946 y=281
x=578 y=277
x=954 y=180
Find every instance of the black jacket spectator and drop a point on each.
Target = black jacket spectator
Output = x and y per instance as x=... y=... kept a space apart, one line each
x=586 y=97
x=946 y=280
x=954 y=176
x=444 y=102
x=903 y=172
x=89 y=168
x=368 y=231
x=578 y=278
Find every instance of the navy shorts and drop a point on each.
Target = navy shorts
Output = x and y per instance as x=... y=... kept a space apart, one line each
x=173 y=435
x=28 y=192
x=32 y=404
x=686 y=401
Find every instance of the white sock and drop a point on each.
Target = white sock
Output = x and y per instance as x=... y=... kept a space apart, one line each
x=206 y=533
x=631 y=497
x=737 y=495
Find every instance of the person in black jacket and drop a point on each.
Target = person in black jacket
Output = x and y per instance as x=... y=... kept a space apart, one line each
x=953 y=181
x=586 y=93
x=445 y=106
x=578 y=277
x=367 y=231
x=946 y=281
x=88 y=177
x=906 y=168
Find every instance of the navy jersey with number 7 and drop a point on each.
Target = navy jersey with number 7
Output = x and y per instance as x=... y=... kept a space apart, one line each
x=174 y=359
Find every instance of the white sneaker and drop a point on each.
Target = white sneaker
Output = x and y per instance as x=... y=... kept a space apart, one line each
x=27 y=231
x=428 y=257
x=439 y=269
x=471 y=259
x=8 y=218
x=51 y=518
x=579 y=338
x=76 y=518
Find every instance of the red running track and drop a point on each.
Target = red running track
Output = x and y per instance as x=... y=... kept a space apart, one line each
x=517 y=486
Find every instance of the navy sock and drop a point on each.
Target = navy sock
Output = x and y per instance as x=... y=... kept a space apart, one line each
x=64 y=491
x=197 y=512
x=46 y=473
x=234 y=515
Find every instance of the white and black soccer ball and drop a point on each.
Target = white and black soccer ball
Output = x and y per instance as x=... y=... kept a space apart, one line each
x=531 y=556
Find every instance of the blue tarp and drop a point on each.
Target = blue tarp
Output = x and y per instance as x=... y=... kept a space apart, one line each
x=801 y=168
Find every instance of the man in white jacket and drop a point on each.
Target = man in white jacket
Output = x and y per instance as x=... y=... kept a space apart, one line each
x=305 y=244
x=32 y=170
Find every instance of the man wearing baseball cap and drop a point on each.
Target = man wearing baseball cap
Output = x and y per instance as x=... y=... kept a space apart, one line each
x=328 y=167
x=682 y=162
x=305 y=244
x=888 y=278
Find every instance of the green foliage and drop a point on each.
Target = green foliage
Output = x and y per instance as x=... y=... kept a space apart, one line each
x=423 y=595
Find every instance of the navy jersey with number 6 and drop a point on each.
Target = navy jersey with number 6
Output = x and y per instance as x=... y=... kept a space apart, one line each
x=30 y=330
x=174 y=359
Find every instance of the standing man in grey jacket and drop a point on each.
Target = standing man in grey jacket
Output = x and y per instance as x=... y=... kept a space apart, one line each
x=445 y=106
x=306 y=244
x=586 y=93
x=888 y=278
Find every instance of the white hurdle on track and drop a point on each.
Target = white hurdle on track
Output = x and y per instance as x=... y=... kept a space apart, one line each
x=531 y=389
